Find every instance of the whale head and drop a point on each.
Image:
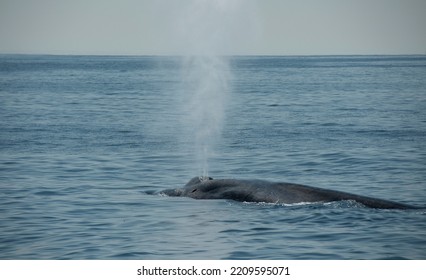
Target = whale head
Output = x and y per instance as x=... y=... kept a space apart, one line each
x=189 y=188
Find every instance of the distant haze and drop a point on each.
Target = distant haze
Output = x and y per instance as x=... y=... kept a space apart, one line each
x=257 y=27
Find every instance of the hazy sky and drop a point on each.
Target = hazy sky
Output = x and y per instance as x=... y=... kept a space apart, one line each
x=274 y=27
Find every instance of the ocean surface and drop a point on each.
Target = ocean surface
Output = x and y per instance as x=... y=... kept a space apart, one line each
x=85 y=139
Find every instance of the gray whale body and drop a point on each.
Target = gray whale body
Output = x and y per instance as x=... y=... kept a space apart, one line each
x=272 y=192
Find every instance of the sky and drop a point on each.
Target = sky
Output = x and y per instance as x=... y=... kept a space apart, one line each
x=231 y=27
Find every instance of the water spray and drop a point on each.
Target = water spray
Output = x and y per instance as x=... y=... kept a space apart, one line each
x=206 y=31
x=205 y=77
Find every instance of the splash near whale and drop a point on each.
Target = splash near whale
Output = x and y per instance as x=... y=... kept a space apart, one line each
x=272 y=192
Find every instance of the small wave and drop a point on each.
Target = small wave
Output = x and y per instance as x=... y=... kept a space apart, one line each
x=332 y=204
x=344 y=204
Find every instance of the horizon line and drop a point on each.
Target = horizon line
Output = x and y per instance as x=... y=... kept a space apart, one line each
x=198 y=55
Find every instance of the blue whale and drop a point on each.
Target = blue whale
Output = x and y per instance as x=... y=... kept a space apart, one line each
x=272 y=192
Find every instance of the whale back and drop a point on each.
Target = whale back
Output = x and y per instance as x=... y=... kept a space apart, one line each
x=271 y=192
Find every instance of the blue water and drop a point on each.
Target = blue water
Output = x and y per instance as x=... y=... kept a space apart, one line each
x=84 y=138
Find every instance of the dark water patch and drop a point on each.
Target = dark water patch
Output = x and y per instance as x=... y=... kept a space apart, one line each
x=47 y=193
x=240 y=255
x=131 y=255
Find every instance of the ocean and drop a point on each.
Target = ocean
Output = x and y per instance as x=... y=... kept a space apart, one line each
x=86 y=140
